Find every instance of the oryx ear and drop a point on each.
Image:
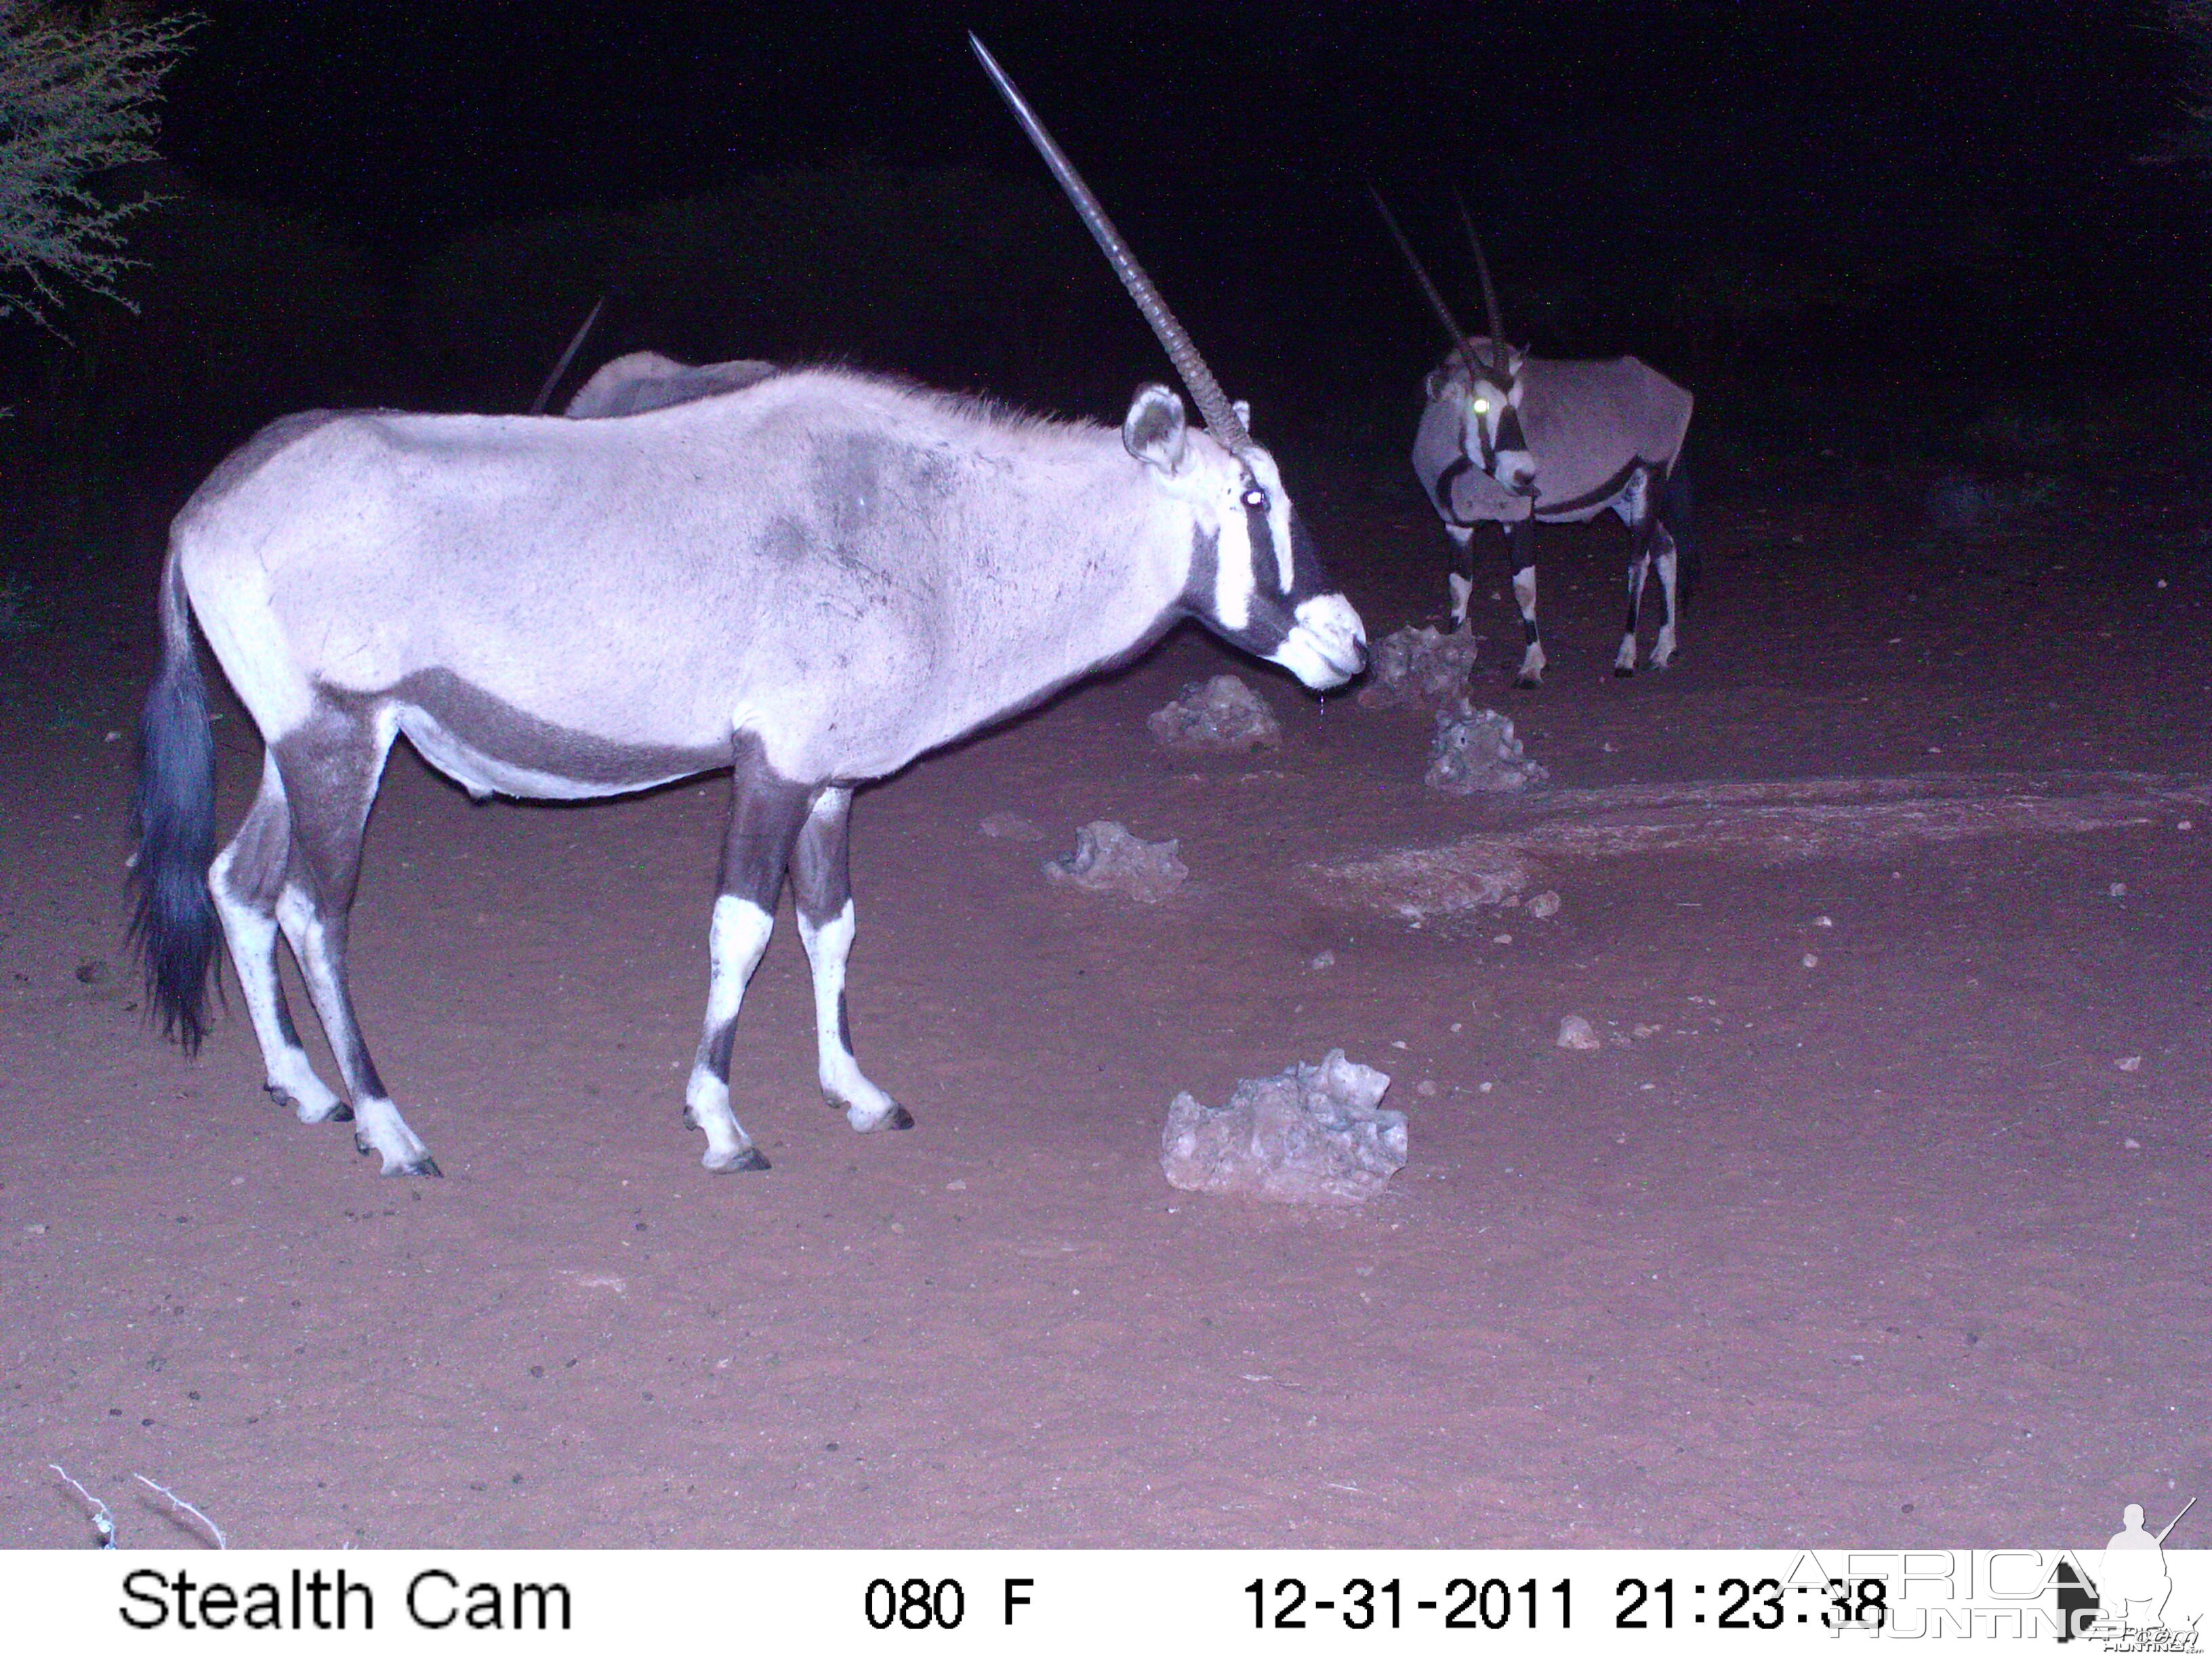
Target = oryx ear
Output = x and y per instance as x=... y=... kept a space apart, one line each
x=1244 y=413
x=1433 y=387
x=1155 y=430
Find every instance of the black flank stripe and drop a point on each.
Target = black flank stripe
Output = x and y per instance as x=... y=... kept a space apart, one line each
x=1604 y=492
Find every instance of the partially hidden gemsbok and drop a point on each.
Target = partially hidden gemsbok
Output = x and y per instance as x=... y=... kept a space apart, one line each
x=808 y=577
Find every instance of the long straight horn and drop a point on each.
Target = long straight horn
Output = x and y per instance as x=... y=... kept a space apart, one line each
x=1213 y=405
x=1428 y=287
x=1482 y=270
x=576 y=345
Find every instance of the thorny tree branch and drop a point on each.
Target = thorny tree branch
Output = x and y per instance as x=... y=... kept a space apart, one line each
x=76 y=100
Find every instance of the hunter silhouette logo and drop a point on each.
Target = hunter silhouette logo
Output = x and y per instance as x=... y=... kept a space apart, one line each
x=2123 y=1609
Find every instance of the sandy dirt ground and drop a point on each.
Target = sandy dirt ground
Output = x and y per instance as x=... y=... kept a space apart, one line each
x=1907 y=1245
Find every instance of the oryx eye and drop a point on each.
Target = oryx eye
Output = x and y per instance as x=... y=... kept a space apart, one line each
x=1481 y=405
x=1256 y=500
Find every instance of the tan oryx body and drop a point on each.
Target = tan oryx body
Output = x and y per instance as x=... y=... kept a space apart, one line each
x=1517 y=441
x=809 y=578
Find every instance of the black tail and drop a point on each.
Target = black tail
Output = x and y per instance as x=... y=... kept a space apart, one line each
x=174 y=926
x=1676 y=504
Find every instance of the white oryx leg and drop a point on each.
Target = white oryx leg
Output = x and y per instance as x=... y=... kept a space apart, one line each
x=1639 y=562
x=1665 y=558
x=330 y=766
x=1638 y=507
x=766 y=813
x=737 y=940
x=821 y=873
x=245 y=881
x=1520 y=558
x=1462 y=589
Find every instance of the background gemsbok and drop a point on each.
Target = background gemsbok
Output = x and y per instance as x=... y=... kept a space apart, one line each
x=1517 y=441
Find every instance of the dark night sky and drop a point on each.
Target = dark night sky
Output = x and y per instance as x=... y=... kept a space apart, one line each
x=402 y=121
x=1611 y=152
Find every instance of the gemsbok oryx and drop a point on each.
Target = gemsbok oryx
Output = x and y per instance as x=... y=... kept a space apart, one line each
x=1517 y=440
x=809 y=580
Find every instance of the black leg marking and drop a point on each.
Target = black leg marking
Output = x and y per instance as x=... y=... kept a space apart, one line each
x=766 y=814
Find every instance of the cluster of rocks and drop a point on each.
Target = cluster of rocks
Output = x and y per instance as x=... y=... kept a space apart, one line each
x=1222 y=716
x=1419 y=668
x=1311 y=1134
x=1475 y=751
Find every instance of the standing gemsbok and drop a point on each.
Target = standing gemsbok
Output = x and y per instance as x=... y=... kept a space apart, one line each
x=1515 y=441
x=811 y=580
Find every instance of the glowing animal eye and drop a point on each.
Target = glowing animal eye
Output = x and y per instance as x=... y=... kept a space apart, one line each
x=1257 y=500
x=1482 y=406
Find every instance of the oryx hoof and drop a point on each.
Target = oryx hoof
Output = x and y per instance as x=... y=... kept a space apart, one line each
x=337 y=1112
x=1620 y=674
x=743 y=1160
x=1527 y=683
x=892 y=1116
x=425 y=1165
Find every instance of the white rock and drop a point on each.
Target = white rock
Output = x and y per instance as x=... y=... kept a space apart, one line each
x=1545 y=905
x=1575 y=1032
x=2132 y=1063
x=1311 y=1134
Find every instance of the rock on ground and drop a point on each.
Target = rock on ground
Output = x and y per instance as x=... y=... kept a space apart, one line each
x=1011 y=826
x=1312 y=1134
x=1475 y=751
x=1224 y=715
x=1107 y=859
x=1419 y=668
x=1575 y=1032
